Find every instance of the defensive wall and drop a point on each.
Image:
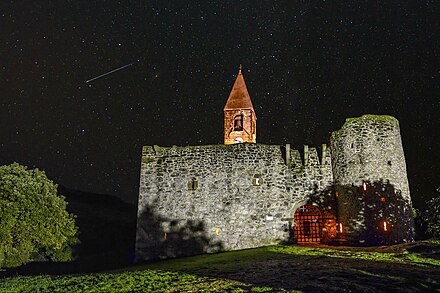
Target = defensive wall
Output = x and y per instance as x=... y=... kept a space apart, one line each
x=244 y=195
x=199 y=199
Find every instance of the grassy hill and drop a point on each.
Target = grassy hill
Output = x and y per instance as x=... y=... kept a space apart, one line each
x=403 y=268
x=107 y=228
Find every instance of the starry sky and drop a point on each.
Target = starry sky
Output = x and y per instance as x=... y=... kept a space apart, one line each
x=308 y=65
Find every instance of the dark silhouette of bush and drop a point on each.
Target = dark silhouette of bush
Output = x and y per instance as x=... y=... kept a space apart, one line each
x=34 y=223
x=420 y=226
x=431 y=217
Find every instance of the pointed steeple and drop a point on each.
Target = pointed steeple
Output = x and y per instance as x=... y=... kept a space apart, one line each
x=239 y=97
x=240 y=120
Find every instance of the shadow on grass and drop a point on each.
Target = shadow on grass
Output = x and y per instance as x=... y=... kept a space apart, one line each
x=265 y=267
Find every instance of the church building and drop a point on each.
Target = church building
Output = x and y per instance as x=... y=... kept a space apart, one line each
x=243 y=194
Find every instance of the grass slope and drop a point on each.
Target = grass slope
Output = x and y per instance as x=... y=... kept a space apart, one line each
x=404 y=268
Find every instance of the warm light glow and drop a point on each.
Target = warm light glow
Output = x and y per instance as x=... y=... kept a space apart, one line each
x=340 y=228
x=238 y=140
x=385 y=226
x=337 y=194
x=365 y=186
x=216 y=231
x=382 y=199
x=165 y=236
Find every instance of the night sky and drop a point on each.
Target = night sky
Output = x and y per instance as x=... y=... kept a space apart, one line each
x=308 y=65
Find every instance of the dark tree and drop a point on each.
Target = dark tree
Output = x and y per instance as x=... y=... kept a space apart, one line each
x=34 y=223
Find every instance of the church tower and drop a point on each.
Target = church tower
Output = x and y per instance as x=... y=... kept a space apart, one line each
x=240 y=121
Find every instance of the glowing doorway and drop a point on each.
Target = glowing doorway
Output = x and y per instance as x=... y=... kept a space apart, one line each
x=307 y=224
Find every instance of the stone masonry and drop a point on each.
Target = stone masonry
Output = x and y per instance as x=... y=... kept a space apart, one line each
x=246 y=194
x=369 y=170
x=199 y=199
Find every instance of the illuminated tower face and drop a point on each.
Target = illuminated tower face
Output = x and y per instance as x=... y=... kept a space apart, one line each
x=240 y=118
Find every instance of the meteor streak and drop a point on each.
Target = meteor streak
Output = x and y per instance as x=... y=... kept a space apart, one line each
x=110 y=72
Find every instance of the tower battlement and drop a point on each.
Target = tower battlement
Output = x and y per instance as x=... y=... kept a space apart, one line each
x=309 y=157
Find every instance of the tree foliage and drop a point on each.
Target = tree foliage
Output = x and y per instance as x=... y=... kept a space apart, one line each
x=34 y=222
x=431 y=217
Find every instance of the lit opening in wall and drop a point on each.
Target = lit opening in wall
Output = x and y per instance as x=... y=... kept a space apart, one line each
x=337 y=194
x=364 y=185
x=257 y=180
x=193 y=184
x=382 y=199
x=238 y=123
x=238 y=140
x=385 y=226
x=340 y=228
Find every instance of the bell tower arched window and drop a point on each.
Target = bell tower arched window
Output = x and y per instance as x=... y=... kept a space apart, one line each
x=238 y=123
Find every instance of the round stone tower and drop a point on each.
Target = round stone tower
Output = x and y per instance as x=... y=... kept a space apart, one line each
x=371 y=184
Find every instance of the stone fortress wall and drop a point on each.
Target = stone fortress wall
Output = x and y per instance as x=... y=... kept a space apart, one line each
x=201 y=199
x=239 y=196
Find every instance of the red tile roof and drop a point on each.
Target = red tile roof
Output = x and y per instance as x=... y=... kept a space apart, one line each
x=239 y=97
